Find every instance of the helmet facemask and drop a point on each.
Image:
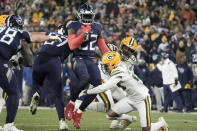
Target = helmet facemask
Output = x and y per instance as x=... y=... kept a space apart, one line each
x=126 y=53
x=86 y=14
x=105 y=69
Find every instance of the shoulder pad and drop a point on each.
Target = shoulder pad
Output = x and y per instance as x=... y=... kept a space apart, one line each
x=75 y=25
x=116 y=71
x=70 y=22
x=98 y=25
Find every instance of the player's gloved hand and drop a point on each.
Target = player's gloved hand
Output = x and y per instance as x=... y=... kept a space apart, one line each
x=176 y=81
x=83 y=93
x=15 y=61
x=86 y=29
x=55 y=38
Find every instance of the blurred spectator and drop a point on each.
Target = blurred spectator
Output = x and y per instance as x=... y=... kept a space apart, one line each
x=187 y=15
x=180 y=51
x=169 y=76
x=186 y=80
x=143 y=72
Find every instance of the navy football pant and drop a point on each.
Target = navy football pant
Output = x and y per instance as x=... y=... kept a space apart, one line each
x=87 y=72
x=49 y=68
x=8 y=83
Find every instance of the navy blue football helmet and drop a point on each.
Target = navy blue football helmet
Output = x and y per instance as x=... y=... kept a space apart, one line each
x=14 y=21
x=86 y=14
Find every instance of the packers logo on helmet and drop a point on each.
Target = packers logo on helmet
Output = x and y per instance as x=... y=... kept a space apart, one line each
x=110 y=60
x=2 y=20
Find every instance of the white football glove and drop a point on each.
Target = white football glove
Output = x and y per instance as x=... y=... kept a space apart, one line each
x=55 y=38
x=83 y=93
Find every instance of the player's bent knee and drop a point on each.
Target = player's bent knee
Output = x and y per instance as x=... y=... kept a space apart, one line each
x=145 y=128
x=111 y=114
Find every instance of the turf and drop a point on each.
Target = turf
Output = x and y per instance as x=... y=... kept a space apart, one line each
x=46 y=120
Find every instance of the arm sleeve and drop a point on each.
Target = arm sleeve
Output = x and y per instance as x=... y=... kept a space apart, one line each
x=175 y=72
x=26 y=36
x=102 y=46
x=74 y=41
x=111 y=83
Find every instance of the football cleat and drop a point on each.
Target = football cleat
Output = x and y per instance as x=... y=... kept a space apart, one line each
x=76 y=119
x=69 y=111
x=165 y=125
x=126 y=123
x=34 y=103
x=63 y=125
x=10 y=127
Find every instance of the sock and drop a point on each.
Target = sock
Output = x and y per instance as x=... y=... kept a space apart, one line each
x=72 y=102
x=77 y=104
x=156 y=126
x=87 y=100
x=79 y=111
x=97 y=106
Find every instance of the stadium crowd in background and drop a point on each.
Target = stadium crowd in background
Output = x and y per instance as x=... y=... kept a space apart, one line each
x=158 y=26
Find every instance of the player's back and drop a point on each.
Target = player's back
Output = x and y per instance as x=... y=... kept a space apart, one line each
x=87 y=48
x=10 y=41
x=134 y=87
x=53 y=48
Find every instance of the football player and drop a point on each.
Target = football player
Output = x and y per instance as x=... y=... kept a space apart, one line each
x=106 y=99
x=47 y=64
x=11 y=36
x=83 y=36
x=137 y=94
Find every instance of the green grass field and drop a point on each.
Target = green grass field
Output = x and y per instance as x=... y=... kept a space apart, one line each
x=46 y=120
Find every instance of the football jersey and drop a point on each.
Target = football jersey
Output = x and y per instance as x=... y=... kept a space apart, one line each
x=10 y=41
x=126 y=80
x=130 y=83
x=52 y=48
x=194 y=57
x=87 y=48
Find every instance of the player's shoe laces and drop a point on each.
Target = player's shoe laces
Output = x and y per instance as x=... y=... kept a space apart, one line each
x=76 y=119
x=69 y=111
x=63 y=125
x=165 y=127
x=2 y=102
x=34 y=103
x=10 y=127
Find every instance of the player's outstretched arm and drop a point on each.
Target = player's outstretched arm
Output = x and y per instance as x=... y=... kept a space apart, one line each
x=111 y=83
x=41 y=37
x=74 y=39
x=102 y=45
